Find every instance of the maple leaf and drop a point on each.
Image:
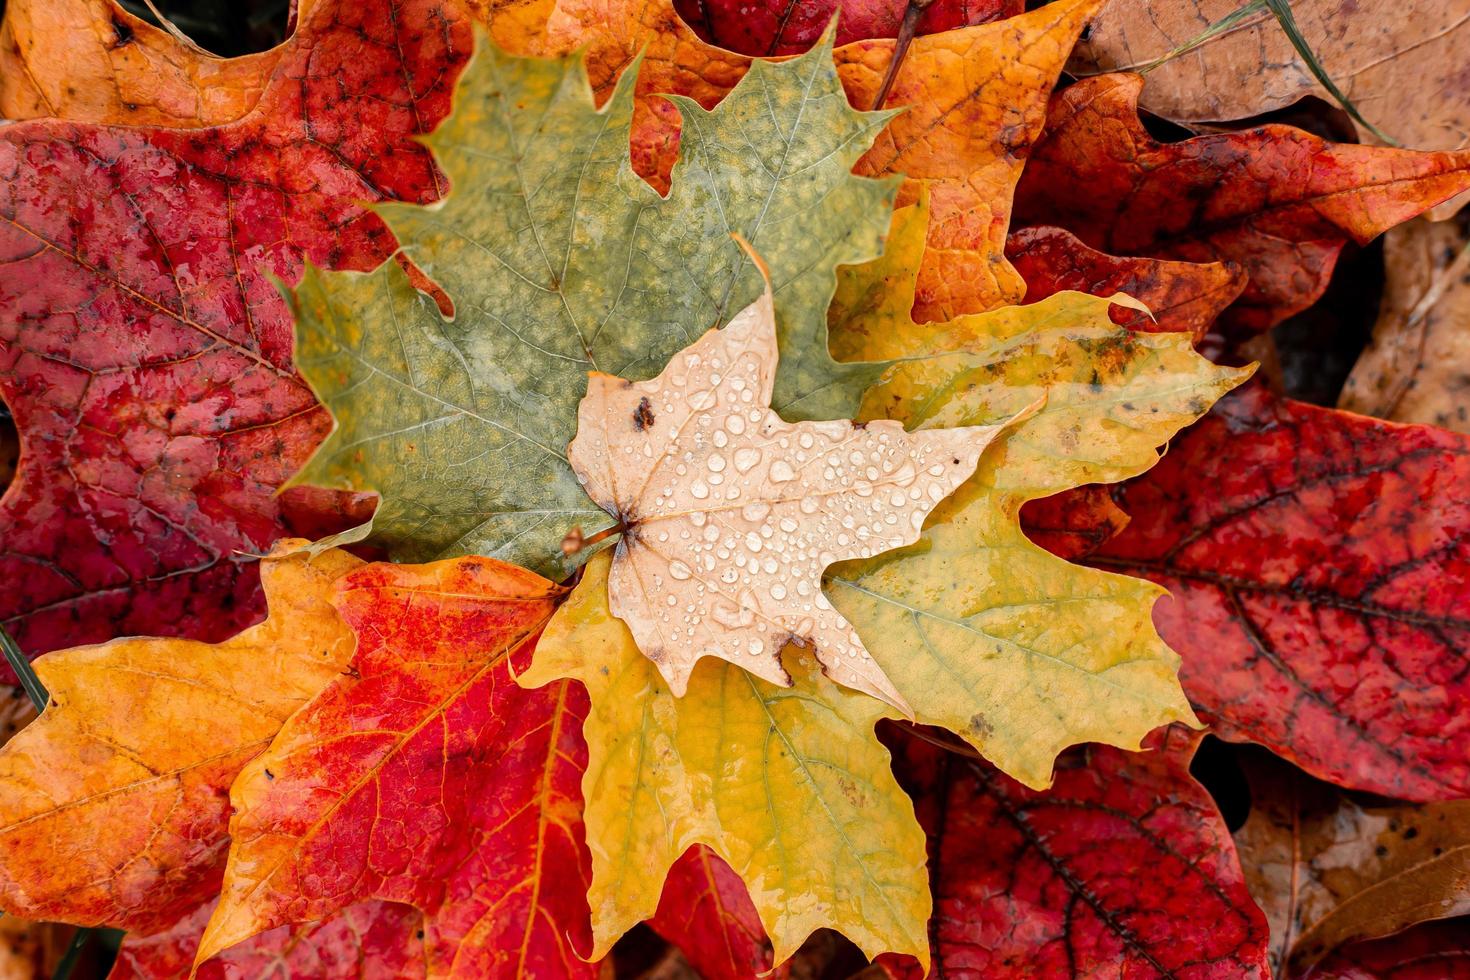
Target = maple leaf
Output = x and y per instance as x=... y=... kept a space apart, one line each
x=1278 y=201
x=1180 y=296
x=1415 y=369
x=775 y=27
x=462 y=424
x=93 y=61
x=135 y=836
x=796 y=498
x=976 y=101
x=1046 y=884
x=787 y=785
x=1397 y=64
x=1318 y=591
x=1329 y=870
x=367 y=941
x=983 y=632
x=144 y=350
x=452 y=789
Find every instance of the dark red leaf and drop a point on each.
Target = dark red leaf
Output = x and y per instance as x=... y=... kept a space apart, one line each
x=772 y=27
x=1431 y=951
x=144 y=348
x=369 y=941
x=706 y=912
x=1278 y=201
x=1320 y=569
x=1123 y=868
x=1075 y=523
x=1183 y=296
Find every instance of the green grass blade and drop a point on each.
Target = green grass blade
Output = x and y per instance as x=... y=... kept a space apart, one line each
x=23 y=669
x=73 y=953
x=1282 y=11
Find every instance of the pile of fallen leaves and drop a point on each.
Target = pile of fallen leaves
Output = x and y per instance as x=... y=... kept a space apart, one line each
x=493 y=473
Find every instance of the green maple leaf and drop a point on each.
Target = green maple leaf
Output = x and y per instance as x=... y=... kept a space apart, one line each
x=559 y=260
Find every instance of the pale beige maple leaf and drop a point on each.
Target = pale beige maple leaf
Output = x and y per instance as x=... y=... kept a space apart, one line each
x=730 y=515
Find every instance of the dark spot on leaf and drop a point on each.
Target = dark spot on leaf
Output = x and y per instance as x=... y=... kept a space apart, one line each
x=122 y=33
x=643 y=415
x=270 y=775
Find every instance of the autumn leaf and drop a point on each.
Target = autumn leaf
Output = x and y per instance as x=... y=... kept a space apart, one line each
x=975 y=98
x=144 y=348
x=983 y=632
x=711 y=563
x=1180 y=296
x=1432 y=951
x=1124 y=867
x=377 y=940
x=1329 y=870
x=1417 y=368
x=706 y=911
x=1318 y=590
x=92 y=61
x=787 y=785
x=451 y=789
x=775 y=27
x=1278 y=201
x=134 y=835
x=462 y=425
x=1397 y=63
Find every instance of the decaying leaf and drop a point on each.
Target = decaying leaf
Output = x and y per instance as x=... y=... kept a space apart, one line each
x=1398 y=63
x=1417 y=369
x=1318 y=591
x=787 y=785
x=730 y=516
x=1123 y=868
x=463 y=424
x=145 y=350
x=1329 y=870
x=367 y=941
x=112 y=804
x=975 y=98
x=93 y=61
x=983 y=632
x=451 y=789
x=776 y=27
x=1279 y=202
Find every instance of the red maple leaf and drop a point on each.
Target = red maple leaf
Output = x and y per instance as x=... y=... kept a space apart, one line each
x=774 y=27
x=377 y=940
x=1278 y=201
x=145 y=351
x=1319 y=566
x=1041 y=884
x=446 y=786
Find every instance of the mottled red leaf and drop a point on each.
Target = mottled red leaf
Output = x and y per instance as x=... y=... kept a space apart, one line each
x=1075 y=523
x=144 y=349
x=369 y=941
x=1123 y=868
x=1431 y=951
x=772 y=27
x=1319 y=565
x=706 y=912
x=1183 y=296
x=426 y=776
x=1278 y=201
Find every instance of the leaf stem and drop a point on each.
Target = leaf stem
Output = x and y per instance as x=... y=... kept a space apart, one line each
x=32 y=685
x=905 y=38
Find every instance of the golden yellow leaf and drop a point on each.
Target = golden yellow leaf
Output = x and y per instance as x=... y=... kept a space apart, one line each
x=729 y=515
x=113 y=805
x=788 y=785
x=983 y=632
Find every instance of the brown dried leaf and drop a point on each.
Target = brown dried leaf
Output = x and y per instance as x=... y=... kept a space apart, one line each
x=1417 y=369
x=1329 y=870
x=731 y=515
